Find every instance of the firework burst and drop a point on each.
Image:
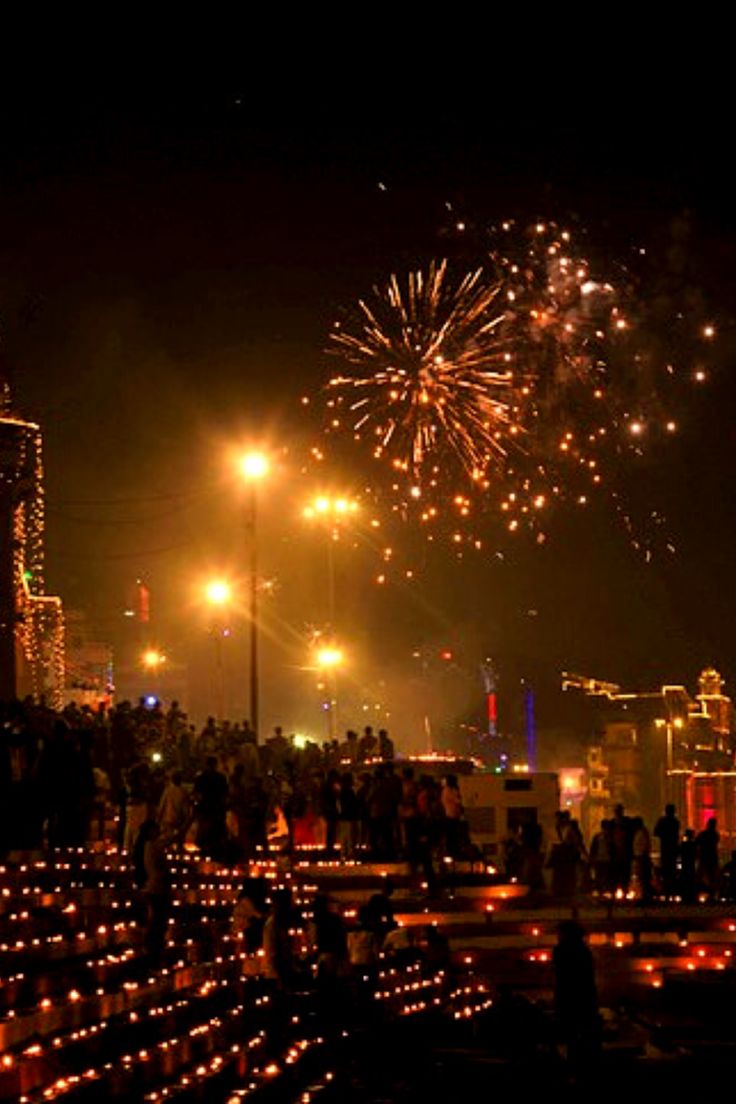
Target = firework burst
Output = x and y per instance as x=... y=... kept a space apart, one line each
x=526 y=379
x=431 y=382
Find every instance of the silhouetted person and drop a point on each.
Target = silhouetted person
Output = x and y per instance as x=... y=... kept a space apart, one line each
x=380 y=911
x=348 y=816
x=328 y=803
x=623 y=838
x=408 y=815
x=531 y=856
x=151 y=873
x=367 y=745
x=174 y=812
x=211 y=792
x=642 y=858
x=330 y=938
x=576 y=996
x=364 y=945
x=601 y=857
x=385 y=745
x=452 y=806
x=563 y=862
x=248 y=914
x=278 y=941
x=667 y=831
x=381 y=811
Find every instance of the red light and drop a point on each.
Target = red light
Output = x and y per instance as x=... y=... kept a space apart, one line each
x=492 y=710
x=446 y=654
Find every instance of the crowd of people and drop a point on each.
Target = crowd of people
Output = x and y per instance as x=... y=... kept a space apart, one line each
x=233 y=811
x=278 y=934
x=619 y=859
x=69 y=777
x=63 y=775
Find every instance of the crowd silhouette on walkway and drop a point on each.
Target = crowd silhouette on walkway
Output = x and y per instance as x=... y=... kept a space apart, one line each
x=68 y=777
x=619 y=860
x=62 y=775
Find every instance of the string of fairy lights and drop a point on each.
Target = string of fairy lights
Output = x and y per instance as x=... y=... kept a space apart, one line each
x=39 y=617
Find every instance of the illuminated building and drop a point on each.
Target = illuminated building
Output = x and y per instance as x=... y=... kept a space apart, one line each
x=713 y=702
x=659 y=746
x=31 y=622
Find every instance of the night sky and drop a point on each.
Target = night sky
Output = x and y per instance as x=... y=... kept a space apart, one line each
x=170 y=266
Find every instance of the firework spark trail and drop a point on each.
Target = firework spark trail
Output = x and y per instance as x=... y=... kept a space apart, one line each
x=431 y=364
x=532 y=378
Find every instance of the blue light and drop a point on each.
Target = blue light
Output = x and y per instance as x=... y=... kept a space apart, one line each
x=151 y=700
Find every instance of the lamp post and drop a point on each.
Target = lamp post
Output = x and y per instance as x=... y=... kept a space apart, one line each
x=669 y=726
x=254 y=466
x=333 y=511
x=329 y=659
x=219 y=594
x=153 y=660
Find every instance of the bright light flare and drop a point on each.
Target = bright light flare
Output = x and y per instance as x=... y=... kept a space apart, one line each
x=330 y=657
x=326 y=506
x=518 y=374
x=254 y=465
x=152 y=659
x=218 y=592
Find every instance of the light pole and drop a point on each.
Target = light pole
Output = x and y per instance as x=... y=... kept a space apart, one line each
x=669 y=727
x=329 y=659
x=254 y=466
x=219 y=594
x=333 y=511
x=153 y=661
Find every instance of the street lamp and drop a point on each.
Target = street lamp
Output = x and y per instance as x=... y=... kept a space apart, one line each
x=334 y=510
x=329 y=659
x=254 y=467
x=152 y=661
x=219 y=593
x=669 y=726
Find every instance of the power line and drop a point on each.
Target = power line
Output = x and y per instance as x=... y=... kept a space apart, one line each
x=137 y=500
x=59 y=555
x=54 y=511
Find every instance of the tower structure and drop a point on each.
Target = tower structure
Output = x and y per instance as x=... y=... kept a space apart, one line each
x=714 y=704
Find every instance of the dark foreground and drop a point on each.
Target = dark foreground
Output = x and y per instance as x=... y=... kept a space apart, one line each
x=87 y=1013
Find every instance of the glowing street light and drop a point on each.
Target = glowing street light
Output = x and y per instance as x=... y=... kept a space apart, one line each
x=329 y=659
x=333 y=510
x=254 y=467
x=152 y=659
x=218 y=592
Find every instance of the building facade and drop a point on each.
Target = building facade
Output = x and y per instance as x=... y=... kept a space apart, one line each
x=31 y=621
x=659 y=746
